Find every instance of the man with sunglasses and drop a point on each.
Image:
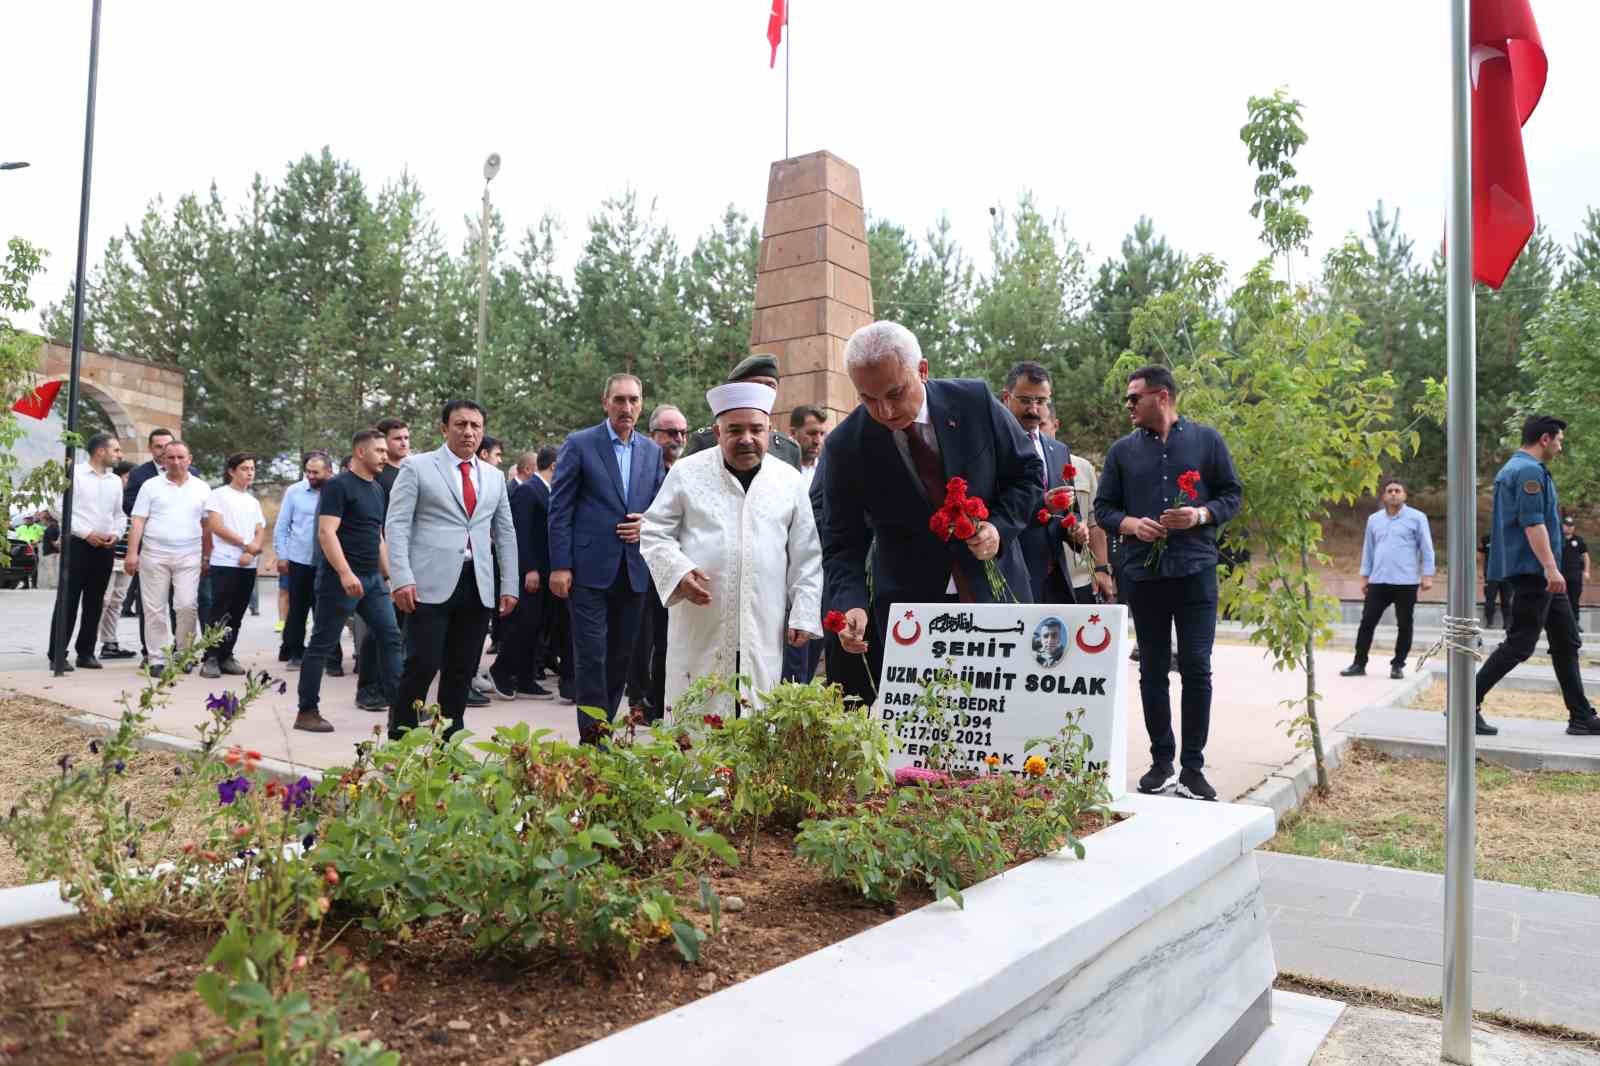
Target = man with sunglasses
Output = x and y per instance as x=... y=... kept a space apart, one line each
x=1170 y=574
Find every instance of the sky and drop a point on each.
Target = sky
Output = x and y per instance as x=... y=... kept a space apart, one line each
x=1105 y=111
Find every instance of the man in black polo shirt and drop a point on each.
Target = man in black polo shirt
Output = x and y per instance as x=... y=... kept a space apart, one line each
x=352 y=569
x=1170 y=574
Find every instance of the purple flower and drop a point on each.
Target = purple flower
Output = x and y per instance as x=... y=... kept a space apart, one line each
x=296 y=795
x=225 y=705
x=228 y=791
x=119 y=766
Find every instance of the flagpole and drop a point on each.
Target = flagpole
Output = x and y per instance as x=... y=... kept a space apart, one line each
x=788 y=40
x=59 y=662
x=1460 y=787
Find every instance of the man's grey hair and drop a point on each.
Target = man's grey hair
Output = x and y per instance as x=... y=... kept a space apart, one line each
x=878 y=341
x=527 y=462
x=662 y=408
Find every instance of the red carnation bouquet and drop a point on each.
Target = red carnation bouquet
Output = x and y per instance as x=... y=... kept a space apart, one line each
x=1187 y=496
x=1059 y=500
x=959 y=518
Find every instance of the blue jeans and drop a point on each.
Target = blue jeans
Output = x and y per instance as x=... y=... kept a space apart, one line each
x=332 y=610
x=1158 y=604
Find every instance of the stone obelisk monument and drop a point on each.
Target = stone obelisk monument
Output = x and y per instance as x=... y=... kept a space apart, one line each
x=813 y=282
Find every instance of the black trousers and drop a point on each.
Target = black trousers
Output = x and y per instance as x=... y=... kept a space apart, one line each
x=443 y=640
x=369 y=679
x=1379 y=597
x=1492 y=591
x=302 y=598
x=1575 y=594
x=230 y=599
x=605 y=624
x=88 y=575
x=521 y=643
x=647 y=669
x=1190 y=604
x=558 y=643
x=1534 y=608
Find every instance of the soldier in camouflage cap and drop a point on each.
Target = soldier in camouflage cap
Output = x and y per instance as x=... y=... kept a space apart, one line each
x=761 y=369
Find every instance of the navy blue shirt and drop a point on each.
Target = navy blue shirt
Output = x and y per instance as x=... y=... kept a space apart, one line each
x=1140 y=478
x=1524 y=496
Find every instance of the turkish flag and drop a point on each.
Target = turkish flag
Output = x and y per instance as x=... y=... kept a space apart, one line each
x=1508 y=69
x=36 y=403
x=775 y=24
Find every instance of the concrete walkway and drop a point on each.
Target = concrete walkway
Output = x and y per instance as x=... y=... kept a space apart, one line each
x=1247 y=741
x=1536 y=955
x=1522 y=744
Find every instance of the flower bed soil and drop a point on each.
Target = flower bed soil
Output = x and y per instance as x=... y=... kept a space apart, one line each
x=67 y=996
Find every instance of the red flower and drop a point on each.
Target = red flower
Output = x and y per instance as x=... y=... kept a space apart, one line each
x=1058 y=499
x=975 y=508
x=834 y=622
x=963 y=529
x=955 y=490
x=939 y=524
x=1069 y=473
x=1070 y=521
x=1043 y=517
x=712 y=720
x=1188 y=482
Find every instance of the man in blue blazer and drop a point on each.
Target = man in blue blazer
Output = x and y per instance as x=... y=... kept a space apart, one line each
x=522 y=643
x=606 y=476
x=1027 y=397
x=885 y=469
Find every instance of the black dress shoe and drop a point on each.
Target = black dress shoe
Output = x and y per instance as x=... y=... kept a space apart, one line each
x=335 y=670
x=476 y=698
x=64 y=664
x=1484 y=728
x=89 y=662
x=1584 y=727
x=112 y=651
x=536 y=691
x=1354 y=670
x=1397 y=673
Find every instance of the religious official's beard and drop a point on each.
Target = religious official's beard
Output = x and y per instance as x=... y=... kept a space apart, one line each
x=744 y=452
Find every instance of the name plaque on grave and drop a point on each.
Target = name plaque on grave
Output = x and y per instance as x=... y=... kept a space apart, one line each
x=1027 y=665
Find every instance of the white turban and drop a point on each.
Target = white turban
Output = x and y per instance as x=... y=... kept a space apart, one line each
x=741 y=394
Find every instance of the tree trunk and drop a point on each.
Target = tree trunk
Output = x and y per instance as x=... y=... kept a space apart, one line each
x=1311 y=681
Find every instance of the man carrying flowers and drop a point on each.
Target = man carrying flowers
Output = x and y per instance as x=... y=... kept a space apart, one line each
x=1168 y=485
x=888 y=469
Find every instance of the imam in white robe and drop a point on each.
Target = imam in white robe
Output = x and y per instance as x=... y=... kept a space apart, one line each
x=762 y=556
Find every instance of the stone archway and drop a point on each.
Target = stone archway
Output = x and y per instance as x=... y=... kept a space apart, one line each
x=136 y=394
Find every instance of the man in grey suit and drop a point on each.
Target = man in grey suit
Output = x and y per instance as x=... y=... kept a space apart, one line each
x=446 y=506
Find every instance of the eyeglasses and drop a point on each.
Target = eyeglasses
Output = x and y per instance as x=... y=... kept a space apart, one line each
x=672 y=432
x=1132 y=399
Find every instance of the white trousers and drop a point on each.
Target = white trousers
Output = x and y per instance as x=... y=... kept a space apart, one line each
x=181 y=575
x=116 y=595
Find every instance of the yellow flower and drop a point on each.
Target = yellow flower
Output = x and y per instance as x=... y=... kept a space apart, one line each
x=1034 y=766
x=993 y=761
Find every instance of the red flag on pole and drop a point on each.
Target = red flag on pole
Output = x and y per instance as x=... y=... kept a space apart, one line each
x=1508 y=69
x=36 y=402
x=775 y=23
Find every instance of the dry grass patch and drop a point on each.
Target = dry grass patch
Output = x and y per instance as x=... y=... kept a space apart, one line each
x=1534 y=829
x=1505 y=702
x=37 y=736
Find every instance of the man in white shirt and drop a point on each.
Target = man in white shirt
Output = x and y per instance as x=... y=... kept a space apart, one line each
x=97 y=523
x=233 y=518
x=168 y=547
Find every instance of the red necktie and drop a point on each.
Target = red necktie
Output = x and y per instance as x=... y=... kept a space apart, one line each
x=468 y=493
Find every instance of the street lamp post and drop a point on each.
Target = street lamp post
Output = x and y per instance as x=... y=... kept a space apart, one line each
x=491 y=167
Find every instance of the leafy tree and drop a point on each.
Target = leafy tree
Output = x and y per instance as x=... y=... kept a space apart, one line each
x=1561 y=366
x=19 y=358
x=1583 y=261
x=926 y=289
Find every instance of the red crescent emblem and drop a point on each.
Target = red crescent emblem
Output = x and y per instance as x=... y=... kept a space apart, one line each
x=916 y=631
x=1093 y=648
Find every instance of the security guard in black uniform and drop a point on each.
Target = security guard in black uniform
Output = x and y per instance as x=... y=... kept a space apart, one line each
x=762 y=369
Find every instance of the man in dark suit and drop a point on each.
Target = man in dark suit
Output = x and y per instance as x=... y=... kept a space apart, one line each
x=515 y=669
x=884 y=474
x=1027 y=397
x=606 y=476
x=647 y=670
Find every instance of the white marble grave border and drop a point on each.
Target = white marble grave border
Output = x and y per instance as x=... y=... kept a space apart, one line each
x=1152 y=950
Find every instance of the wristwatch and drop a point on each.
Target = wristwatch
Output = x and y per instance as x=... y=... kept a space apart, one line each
x=1102 y=569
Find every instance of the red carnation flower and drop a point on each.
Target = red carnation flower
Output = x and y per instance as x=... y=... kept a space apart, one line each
x=963 y=529
x=1188 y=483
x=834 y=622
x=1058 y=499
x=939 y=524
x=712 y=720
x=975 y=508
x=1042 y=517
x=1070 y=521
x=955 y=490
x=1069 y=473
